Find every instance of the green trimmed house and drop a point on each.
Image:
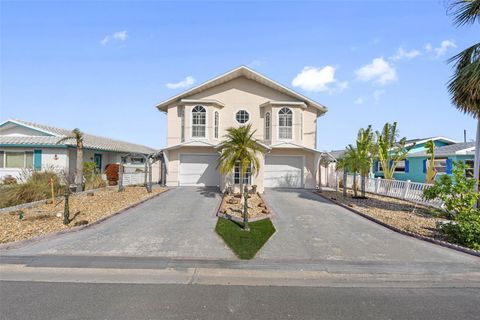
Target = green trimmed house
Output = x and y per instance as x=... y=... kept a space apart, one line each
x=31 y=146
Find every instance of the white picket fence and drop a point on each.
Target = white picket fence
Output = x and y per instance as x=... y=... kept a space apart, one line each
x=406 y=190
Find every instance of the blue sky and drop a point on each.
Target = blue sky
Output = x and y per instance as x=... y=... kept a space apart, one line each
x=102 y=66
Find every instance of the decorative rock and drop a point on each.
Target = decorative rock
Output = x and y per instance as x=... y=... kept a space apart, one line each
x=80 y=223
x=265 y=211
x=90 y=194
x=49 y=201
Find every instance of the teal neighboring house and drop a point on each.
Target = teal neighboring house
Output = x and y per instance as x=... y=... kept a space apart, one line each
x=446 y=152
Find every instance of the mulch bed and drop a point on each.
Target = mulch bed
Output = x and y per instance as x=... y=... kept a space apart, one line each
x=232 y=205
x=46 y=218
x=404 y=215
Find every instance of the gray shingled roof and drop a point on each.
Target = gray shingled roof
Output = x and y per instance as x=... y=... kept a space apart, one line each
x=89 y=141
x=337 y=153
x=448 y=150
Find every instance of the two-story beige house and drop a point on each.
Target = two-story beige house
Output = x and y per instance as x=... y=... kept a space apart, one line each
x=285 y=123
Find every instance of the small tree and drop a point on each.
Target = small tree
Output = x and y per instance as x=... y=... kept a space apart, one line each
x=431 y=172
x=353 y=160
x=240 y=147
x=389 y=150
x=344 y=165
x=324 y=162
x=457 y=193
x=364 y=159
x=77 y=135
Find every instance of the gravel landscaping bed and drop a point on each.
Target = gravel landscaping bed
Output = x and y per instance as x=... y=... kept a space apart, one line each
x=44 y=218
x=232 y=205
x=404 y=215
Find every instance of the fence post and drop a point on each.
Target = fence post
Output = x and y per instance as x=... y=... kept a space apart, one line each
x=377 y=184
x=120 y=177
x=406 y=187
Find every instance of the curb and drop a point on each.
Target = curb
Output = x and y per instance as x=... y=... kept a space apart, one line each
x=22 y=243
x=406 y=233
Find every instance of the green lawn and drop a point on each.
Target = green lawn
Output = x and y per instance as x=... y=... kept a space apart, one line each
x=245 y=244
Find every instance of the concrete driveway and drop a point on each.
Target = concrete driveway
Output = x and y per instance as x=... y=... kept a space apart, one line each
x=178 y=223
x=311 y=228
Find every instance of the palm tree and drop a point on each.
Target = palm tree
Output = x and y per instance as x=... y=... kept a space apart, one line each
x=389 y=150
x=77 y=135
x=431 y=172
x=464 y=85
x=352 y=158
x=364 y=149
x=240 y=148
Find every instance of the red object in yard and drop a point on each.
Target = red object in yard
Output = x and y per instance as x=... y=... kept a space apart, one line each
x=111 y=170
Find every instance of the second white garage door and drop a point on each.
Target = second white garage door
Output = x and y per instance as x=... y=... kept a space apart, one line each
x=283 y=172
x=199 y=170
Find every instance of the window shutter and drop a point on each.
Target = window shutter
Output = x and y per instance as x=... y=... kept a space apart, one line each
x=449 y=166
x=407 y=166
x=425 y=166
x=375 y=166
x=37 y=160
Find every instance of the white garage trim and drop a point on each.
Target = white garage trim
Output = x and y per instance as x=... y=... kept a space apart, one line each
x=198 y=178
x=269 y=180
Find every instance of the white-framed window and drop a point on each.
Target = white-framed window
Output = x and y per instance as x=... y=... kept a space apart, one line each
x=216 y=122
x=236 y=175
x=182 y=126
x=242 y=116
x=400 y=166
x=16 y=159
x=440 y=164
x=268 y=126
x=199 y=122
x=469 y=168
x=285 y=121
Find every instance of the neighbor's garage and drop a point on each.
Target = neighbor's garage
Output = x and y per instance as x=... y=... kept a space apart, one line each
x=199 y=170
x=283 y=171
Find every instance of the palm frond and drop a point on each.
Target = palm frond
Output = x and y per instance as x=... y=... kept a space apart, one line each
x=465 y=11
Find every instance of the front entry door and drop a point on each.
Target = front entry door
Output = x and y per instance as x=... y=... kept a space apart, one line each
x=97 y=158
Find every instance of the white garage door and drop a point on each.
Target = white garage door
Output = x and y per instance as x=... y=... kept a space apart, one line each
x=283 y=172
x=199 y=170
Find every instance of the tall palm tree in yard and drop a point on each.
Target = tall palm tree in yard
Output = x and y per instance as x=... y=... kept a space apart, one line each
x=240 y=148
x=352 y=159
x=430 y=165
x=343 y=164
x=77 y=136
x=390 y=150
x=464 y=85
x=365 y=146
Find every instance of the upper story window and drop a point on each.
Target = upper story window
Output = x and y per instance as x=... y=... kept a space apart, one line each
x=242 y=116
x=267 y=125
x=216 y=121
x=199 y=122
x=182 y=125
x=285 y=123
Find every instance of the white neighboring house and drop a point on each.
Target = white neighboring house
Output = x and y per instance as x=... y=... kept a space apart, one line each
x=31 y=146
x=285 y=124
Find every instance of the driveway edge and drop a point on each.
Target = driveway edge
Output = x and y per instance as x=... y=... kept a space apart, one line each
x=406 y=233
x=22 y=243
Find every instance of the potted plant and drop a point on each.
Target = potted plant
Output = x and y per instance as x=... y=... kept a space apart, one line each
x=111 y=170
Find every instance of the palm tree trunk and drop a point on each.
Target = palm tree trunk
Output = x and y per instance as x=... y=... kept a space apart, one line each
x=79 y=173
x=345 y=176
x=476 y=162
x=354 y=184
x=363 y=185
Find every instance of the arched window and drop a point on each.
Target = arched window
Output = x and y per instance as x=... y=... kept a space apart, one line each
x=285 y=123
x=267 y=126
x=199 y=122
x=216 y=121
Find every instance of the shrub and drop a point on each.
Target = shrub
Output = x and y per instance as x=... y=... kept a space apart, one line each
x=95 y=182
x=457 y=193
x=36 y=187
x=7 y=180
x=89 y=170
x=111 y=170
x=466 y=230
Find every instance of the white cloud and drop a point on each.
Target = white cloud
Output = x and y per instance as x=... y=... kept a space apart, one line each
x=359 y=100
x=405 y=54
x=379 y=71
x=442 y=49
x=318 y=80
x=119 y=36
x=187 y=82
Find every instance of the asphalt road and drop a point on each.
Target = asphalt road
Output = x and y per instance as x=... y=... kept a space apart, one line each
x=40 y=300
